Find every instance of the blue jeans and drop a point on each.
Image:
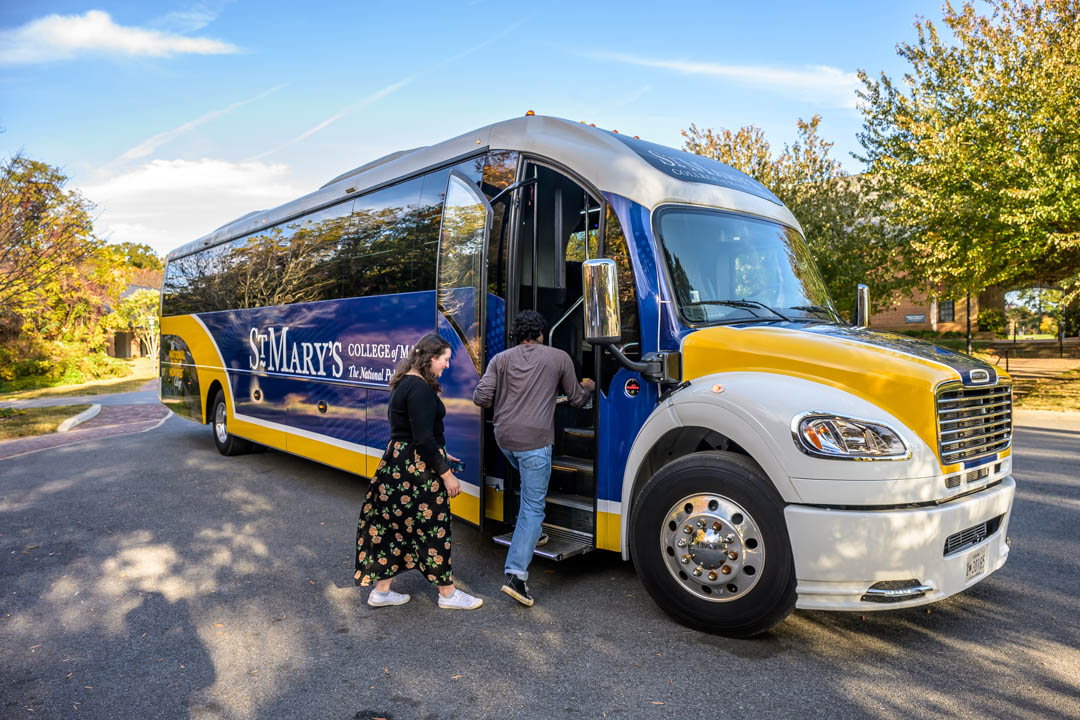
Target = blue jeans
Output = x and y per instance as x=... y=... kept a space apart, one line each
x=534 y=467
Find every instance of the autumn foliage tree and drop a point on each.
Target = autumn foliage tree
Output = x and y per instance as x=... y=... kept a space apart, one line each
x=44 y=229
x=976 y=150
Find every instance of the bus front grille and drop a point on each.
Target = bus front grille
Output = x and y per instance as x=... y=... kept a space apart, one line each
x=973 y=422
x=972 y=536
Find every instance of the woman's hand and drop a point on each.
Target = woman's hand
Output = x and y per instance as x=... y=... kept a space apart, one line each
x=451 y=457
x=451 y=483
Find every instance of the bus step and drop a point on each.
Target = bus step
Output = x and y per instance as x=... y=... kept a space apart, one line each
x=562 y=542
x=577 y=502
x=582 y=433
x=566 y=463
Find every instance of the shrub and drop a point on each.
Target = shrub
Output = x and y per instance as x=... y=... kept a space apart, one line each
x=992 y=320
x=24 y=366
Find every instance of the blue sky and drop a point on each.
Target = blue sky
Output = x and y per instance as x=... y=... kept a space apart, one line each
x=176 y=118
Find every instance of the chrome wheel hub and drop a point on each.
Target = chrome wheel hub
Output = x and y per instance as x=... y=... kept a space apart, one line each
x=219 y=424
x=712 y=547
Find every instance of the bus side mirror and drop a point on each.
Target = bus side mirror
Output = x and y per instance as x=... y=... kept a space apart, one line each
x=600 y=284
x=862 y=306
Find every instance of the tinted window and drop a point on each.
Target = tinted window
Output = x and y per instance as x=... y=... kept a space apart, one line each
x=380 y=243
x=499 y=173
x=381 y=253
x=615 y=248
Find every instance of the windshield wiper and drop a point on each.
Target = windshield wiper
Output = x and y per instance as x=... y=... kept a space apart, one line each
x=818 y=309
x=745 y=304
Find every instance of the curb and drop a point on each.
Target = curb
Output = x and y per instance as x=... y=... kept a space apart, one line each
x=82 y=417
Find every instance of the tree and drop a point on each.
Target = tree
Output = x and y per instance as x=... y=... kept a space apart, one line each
x=138 y=313
x=43 y=229
x=70 y=307
x=140 y=256
x=838 y=212
x=977 y=154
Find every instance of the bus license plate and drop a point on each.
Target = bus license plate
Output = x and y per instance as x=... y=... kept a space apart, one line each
x=976 y=563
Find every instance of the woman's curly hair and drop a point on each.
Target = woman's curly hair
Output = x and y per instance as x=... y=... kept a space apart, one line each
x=528 y=325
x=426 y=349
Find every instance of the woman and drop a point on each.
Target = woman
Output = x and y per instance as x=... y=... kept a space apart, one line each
x=405 y=522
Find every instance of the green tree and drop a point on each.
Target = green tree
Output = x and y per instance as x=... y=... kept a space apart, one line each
x=138 y=313
x=44 y=229
x=976 y=153
x=838 y=212
x=141 y=256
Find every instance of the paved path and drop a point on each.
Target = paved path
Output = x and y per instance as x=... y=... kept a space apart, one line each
x=112 y=420
x=147 y=396
x=146 y=576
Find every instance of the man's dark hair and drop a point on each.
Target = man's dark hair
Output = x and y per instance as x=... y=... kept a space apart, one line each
x=528 y=325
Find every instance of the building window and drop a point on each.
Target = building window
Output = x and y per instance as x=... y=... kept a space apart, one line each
x=945 y=311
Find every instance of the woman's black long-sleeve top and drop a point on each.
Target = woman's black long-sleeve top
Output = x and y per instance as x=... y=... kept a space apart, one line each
x=416 y=415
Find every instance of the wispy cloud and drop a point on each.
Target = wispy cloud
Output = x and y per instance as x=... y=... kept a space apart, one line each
x=186 y=21
x=363 y=102
x=389 y=89
x=166 y=203
x=828 y=84
x=148 y=146
x=634 y=96
x=61 y=37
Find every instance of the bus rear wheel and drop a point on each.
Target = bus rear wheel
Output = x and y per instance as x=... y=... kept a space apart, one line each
x=708 y=540
x=227 y=443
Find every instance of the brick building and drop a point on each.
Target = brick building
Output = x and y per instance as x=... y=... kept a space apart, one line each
x=937 y=315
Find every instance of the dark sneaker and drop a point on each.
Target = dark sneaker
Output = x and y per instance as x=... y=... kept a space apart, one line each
x=516 y=588
x=543 y=539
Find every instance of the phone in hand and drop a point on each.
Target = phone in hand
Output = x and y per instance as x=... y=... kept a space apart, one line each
x=456 y=466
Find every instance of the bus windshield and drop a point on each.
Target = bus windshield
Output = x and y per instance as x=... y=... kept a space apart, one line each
x=732 y=268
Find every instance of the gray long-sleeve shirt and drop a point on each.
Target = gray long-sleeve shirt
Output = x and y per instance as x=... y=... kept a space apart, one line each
x=522 y=383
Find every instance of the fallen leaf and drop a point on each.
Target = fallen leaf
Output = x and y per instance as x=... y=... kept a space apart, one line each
x=219 y=624
x=34 y=647
x=386 y=670
x=68 y=676
x=252 y=672
x=311 y=581
x=657 y=703
x=88 y=687
x=454 y=677
x=31 y=547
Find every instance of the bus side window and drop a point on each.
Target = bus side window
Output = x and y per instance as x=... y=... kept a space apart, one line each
x=381 y=254
x=616 y=249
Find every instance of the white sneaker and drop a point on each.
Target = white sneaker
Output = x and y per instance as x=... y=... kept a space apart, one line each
x=459 y=600
x=382 y=599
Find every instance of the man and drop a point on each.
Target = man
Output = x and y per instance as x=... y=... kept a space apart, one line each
x=521 y=383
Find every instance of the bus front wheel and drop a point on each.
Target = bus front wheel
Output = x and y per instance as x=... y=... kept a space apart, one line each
x=227 y=443
x=708 y=540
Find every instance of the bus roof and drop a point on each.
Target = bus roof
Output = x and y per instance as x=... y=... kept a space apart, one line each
x=646 y=173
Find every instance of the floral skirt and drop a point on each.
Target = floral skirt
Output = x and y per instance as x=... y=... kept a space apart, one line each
x=405 y=521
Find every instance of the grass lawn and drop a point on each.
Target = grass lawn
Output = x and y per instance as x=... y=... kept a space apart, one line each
x=35 y=421
x=1061 y=392
x=142 y=370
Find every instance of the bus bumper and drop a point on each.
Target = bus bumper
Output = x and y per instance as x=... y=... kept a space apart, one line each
x=887 y=559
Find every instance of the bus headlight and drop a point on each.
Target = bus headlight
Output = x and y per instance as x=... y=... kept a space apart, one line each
x=844 y=438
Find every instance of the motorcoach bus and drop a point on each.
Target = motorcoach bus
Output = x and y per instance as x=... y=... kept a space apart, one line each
x=749 y=450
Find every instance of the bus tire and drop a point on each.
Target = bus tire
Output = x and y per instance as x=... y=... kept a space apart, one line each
x=226 y=442
x=709 y=542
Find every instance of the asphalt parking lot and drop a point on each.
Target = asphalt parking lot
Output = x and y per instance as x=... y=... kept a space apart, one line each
x=146 y=576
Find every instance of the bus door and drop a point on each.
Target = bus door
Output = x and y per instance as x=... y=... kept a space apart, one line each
x=460 y=319
x=557 y=229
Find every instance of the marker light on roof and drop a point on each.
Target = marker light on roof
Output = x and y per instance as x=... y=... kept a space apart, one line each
x=530 y=113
